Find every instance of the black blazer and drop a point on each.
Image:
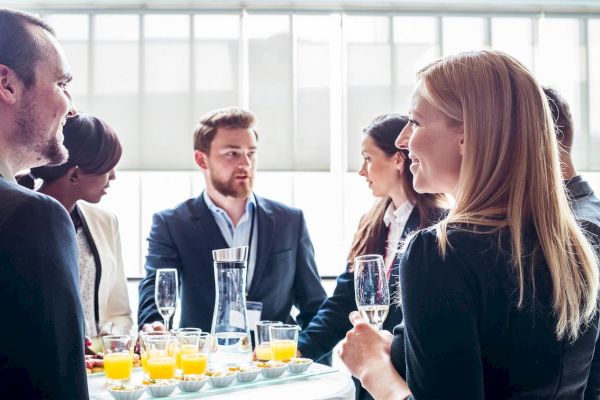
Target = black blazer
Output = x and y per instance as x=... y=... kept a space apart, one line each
x=285 y=273
x=330 y=325
x=41 y=351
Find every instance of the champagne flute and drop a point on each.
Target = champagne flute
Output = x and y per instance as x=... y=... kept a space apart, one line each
x=371 y=289
x=165 y=293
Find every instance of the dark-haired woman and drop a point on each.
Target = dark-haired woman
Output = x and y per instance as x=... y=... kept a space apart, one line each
x=398 y=211
x=94 y=151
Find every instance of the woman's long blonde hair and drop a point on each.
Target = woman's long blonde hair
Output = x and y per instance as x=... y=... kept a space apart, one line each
x=510 y=175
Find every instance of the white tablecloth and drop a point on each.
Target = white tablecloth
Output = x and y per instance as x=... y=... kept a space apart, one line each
x=331 y=384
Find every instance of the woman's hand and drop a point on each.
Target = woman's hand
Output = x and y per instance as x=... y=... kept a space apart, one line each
x=366 y=353
x=364 y=347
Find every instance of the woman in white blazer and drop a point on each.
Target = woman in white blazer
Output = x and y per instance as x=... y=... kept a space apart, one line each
x=94 y=151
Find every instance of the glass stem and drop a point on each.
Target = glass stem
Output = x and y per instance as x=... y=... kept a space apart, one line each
x=167 y=324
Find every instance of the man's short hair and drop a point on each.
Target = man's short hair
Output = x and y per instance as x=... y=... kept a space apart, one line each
x=230 y=117
x=20 y=50
x=561 y=114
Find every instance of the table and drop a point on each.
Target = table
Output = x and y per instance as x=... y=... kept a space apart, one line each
x=327 y=383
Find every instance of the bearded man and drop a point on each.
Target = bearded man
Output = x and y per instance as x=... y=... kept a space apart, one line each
x=41 y=351
x=281 y=267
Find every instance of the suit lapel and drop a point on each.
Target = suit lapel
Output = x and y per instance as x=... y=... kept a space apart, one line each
x=206 y=230
x=265 y=226
x=412 y=224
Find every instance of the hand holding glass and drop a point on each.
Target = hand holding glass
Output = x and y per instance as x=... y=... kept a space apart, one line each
x=371 y=289
x=165 y=293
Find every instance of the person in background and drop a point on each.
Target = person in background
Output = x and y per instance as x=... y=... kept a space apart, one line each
x=42 y=345
x=500 y=298
x=584 y=202
x=397 y=212
x=281 y=270
x=94 y=151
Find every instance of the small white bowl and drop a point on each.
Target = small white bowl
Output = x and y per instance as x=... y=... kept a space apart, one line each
x=129 y=392
x=248 y=374
x=192 y=385
x=274 y=369
x=222 y=379
x=299 y=365
x=162 y=389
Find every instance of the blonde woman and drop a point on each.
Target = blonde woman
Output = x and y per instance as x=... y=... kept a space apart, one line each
x=500 y=298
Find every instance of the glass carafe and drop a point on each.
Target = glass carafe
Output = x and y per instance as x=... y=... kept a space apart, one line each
x=230 y=322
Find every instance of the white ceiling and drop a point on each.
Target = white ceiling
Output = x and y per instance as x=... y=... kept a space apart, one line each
x=579 y=6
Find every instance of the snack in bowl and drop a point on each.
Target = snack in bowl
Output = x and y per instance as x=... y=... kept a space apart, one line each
x=299 y=365
x=161 y=387
x=192 y=383
x=274 y=369
x=126 y=392
x=221 y=378
x=248 y=374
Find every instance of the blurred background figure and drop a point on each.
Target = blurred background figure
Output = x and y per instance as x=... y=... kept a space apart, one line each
x=397 y=212
x=584 y=202
x=94 y=151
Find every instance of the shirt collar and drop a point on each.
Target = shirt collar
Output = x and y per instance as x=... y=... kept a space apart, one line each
x=250 y=204
x=5 y=172
x=398 y=215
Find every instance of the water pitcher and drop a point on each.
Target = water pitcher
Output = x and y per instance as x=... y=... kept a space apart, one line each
x=230 y=322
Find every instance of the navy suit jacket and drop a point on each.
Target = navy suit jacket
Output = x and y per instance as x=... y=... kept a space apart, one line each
x=331 y=323
x=285 y=273
x=41 y=350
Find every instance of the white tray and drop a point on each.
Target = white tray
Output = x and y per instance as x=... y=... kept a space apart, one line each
x=98 y=387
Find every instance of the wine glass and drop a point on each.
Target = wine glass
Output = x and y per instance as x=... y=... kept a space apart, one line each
x=371 y=289
x=165 y=293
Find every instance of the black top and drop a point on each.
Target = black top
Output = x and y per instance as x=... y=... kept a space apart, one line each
x=41 y=351
x=464 y=336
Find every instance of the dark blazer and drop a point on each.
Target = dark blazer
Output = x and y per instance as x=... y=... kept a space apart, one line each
x=285 y=273
x=464 y=335
x=42 y=346
x=330 y=325
x=586 y=208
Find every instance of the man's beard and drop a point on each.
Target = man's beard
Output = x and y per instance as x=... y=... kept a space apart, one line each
x=30 y=135
x=232 y=189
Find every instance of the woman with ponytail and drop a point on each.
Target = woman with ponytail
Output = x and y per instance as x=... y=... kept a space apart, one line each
x=94 y=151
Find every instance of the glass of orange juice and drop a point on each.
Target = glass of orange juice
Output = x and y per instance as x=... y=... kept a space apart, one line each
x=187 y=342
x=195 y=359
x=284 y=341
x=143 y=348
x=263 y=340
x=118 y=358
x=160 y=359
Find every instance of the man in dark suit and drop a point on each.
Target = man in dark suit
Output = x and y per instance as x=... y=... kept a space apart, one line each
x=585 y=204
x=281 y=268
x=42 y=346
x=583 y=201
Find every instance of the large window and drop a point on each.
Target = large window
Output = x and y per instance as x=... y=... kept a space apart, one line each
x=313 y=79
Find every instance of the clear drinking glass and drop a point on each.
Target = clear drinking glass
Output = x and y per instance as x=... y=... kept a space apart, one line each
x=371 y=289
x=118 y=358
x=284 y=341
x=144 y=348
x=187 y=342
x=263 y=340
x=165 y=293
x=160 y=356
x=195 y=358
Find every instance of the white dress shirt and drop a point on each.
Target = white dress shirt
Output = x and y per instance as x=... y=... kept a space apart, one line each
x=395 y=220
x=239 y=235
